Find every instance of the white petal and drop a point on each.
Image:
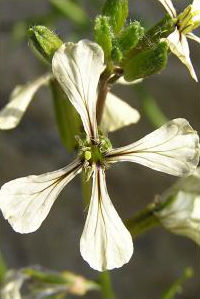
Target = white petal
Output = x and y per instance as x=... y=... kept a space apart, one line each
x=12 y=113
x=173 y=149
x=179 y=46
x=105 y=243
x=122 y=81
x=117 y=114
x=182 y=216
x=193 y=37
x=26 y=202
x=169 y=7
x=196 y=10
x=196 y=5
x=77 y=67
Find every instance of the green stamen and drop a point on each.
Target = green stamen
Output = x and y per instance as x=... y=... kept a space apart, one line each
x=186 y=20
x=94 y=152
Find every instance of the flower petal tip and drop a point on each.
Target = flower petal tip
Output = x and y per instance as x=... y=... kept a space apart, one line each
x=26 y=202
x=105 y=242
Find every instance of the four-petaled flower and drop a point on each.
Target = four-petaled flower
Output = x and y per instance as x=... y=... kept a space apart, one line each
x=105 y=242
x=187 y=21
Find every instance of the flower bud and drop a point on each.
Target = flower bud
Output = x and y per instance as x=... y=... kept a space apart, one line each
x=146 y=63
x=43 y=42
x=130 y=36
x=117 y=11
x=103 y=35
x=180 y=213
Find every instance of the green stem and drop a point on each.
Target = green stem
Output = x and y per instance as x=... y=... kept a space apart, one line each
x=176 y=287
x=2 y=269
x=106 y=285
x=143 y=221
x=103 y=90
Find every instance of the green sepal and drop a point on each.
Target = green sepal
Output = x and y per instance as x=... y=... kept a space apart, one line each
x=68 y=121
x=153 y=36
x=103 y=35
x=43 y=42
x=146 y=63
x=117 y=11
x=161 y=30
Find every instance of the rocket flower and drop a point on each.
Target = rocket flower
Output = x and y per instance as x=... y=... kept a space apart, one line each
x=105 y=242
x=187 y=21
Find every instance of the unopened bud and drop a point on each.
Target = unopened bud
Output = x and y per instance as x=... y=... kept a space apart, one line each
x=103 y=35
x=117 y=11
x=146 y=63
x=43 y=42
x=130 y=36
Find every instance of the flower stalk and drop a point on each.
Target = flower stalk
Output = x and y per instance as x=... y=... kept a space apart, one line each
x=176 y=287
x=103 y=91
x=106 y=285
x=107 y=79
x=143 y=221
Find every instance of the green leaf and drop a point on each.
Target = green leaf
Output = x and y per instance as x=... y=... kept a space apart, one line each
x=44 y=42
x=71 y=10
x=67 y=118
x=117 y=11
x=103 y=35
x=146 y=63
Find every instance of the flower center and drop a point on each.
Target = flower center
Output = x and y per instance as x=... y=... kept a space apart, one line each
x=188 y=20
x=93 y=151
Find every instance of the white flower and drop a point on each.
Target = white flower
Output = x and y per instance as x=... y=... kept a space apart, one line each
x=181 y=213
x=187 y=21
x=105 y=242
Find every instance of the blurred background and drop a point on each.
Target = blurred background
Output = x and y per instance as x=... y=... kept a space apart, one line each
x=34 y=148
